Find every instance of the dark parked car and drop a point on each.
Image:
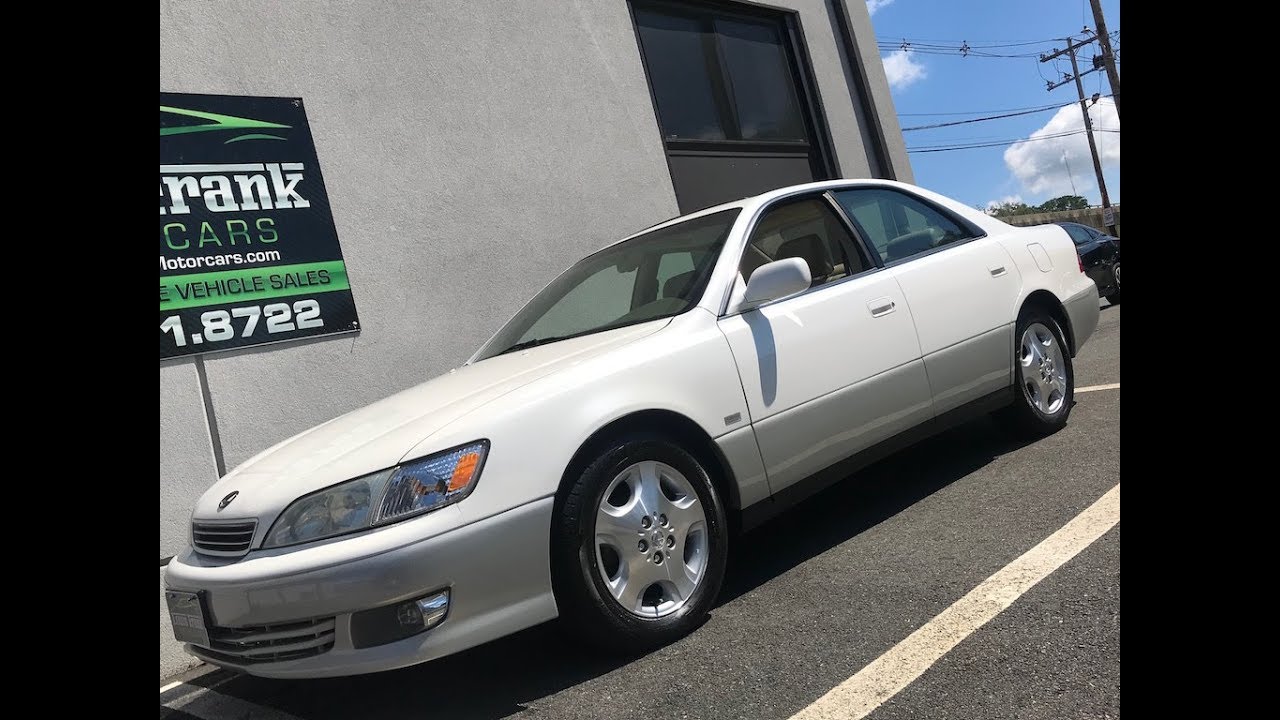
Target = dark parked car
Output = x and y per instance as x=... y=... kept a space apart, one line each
x=1100 y=255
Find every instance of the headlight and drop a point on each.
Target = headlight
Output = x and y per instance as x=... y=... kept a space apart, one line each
x=394 y=494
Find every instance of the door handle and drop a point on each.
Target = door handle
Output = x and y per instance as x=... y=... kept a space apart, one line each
x=998 y=271
x=881 y=306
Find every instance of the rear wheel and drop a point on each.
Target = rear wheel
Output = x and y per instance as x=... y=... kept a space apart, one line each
x=1114 y=298
x=640 y=545
x=1045 y=380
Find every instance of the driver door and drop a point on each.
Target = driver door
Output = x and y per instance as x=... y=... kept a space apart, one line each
x=832 y=370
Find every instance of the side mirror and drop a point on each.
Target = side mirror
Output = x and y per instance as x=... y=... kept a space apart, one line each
x=775 y=280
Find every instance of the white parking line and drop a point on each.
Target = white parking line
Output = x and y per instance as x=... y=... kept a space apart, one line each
x=1096 y=388
x=212 y=705
x=888 y=674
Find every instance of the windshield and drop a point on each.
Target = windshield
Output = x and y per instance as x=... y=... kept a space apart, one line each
x=655 y=275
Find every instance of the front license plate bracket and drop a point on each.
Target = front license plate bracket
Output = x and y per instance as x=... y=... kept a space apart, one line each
x=186 y=611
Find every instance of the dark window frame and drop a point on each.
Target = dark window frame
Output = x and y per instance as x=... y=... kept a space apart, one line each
x=818 y=144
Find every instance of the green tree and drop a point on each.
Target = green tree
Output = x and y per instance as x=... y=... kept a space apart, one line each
x=1064 y=202
x=1010 y=209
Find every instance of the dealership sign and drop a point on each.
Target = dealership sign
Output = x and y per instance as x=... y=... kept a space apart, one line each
x=248 y=249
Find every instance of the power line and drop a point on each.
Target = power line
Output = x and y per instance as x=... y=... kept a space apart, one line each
x=999 y=143
x=1029 y=111
x=1014 y=113
x=1006 y=141
x=961 y=51
x=976 y=43
x=973 y=112
x=963 y=48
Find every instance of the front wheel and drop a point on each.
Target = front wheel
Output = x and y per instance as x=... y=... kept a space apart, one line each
x=1044 y=377
x=639 y=545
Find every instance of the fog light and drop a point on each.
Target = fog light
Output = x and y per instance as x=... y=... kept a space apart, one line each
x=409 y=615
x=433 y=608
x=389 y=623
x=424 y=613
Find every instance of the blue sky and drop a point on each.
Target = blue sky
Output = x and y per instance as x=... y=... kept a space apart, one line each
x=932 y=77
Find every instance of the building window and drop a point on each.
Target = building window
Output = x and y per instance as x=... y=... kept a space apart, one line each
x=730 y=94
x=682 y=77
x=764 y=94
x=720 y=79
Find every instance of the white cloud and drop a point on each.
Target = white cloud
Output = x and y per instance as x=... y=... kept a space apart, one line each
x=874 y=5
x=1014 y=198
x=902 y=70
x=1040 y=166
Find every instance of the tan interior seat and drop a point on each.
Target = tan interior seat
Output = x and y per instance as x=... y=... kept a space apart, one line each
x=813 y=251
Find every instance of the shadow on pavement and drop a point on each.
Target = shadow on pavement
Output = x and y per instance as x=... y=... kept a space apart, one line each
x=861 y=501
x=501 y=678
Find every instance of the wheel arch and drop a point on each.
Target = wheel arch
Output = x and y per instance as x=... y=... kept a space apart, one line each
x=678 y=427
x=1050 y=304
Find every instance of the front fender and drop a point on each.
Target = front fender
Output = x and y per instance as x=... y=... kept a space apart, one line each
x=534 y=431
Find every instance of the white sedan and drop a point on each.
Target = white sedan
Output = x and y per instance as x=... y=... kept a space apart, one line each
x=595 y=459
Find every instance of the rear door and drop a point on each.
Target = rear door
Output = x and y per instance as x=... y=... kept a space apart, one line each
x=832 y=370
x=961 y=287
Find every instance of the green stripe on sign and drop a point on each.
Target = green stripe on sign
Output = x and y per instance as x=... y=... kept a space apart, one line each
x=251 y=284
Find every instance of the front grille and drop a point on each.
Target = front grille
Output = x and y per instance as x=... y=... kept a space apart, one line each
x=270 y=643
x=225 y=539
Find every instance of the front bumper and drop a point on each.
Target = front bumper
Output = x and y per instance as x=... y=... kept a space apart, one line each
x=497 y=571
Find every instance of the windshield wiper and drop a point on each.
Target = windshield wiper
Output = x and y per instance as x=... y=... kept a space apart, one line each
x=534 y=343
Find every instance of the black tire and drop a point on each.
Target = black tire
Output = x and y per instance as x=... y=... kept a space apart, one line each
x=587 y=609
x=1023 y=417
x=1114 y=298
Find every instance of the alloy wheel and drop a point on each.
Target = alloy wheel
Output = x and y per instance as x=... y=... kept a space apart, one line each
x=1044 y=371
x=651 y=539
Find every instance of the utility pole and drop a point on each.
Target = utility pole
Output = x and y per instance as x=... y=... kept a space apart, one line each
x=1108 y=217
x=1108 y=57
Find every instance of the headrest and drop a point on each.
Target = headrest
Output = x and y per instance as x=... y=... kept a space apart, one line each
x=677 y=285
x=812 y=250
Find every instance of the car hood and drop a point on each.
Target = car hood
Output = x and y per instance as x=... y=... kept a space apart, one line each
x=379 y=435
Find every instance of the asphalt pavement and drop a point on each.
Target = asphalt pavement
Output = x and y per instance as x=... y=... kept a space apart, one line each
x=816 y=595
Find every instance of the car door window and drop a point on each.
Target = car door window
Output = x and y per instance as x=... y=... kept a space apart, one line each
x=898 y=225
x=807 y=229
x=1079 y=235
